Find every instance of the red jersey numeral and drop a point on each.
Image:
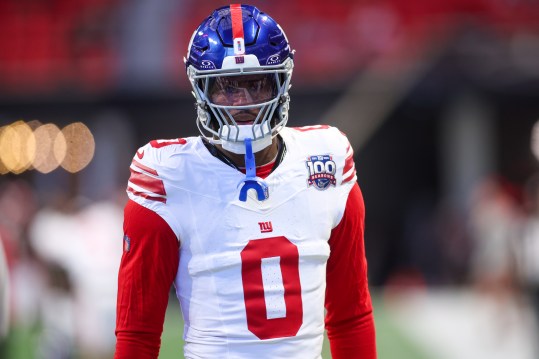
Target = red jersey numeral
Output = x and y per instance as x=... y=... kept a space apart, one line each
x=253 y=287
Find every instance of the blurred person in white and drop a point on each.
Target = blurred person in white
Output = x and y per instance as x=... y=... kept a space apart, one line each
x=4 y=293
x=253 y=270
x=494 y=224
x=82 y=240
x=57 y=335
x=528 y=250
x=17 y=207
x=495 y=220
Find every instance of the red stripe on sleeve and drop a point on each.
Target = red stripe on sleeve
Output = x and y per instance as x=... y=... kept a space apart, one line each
x=146 y=196
x=349 y=318
x=147 y=270
x=144 y=168
x=350 y=177
x=348 y=164
x=149 y=183
x=164 y=143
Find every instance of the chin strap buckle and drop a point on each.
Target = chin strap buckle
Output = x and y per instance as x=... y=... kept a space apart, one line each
x=251 y=181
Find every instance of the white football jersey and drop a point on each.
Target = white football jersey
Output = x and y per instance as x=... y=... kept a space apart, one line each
x=251 y=275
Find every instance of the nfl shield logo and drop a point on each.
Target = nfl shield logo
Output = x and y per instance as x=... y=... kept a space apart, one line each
x=321 y=171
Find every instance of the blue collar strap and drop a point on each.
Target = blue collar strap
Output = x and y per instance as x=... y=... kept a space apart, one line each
x=251 y=181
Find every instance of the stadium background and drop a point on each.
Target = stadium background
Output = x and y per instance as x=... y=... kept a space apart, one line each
x=440 y=100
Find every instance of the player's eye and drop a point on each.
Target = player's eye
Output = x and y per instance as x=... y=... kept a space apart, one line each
x=230 y=89
x=255 y=85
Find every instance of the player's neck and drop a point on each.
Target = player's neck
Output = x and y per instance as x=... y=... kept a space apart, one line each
x=262 y=157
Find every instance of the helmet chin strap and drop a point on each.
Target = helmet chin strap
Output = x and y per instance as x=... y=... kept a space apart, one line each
x=245 y=132
x=251 y=181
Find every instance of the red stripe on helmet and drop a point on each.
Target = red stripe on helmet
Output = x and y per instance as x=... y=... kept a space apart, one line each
x=237 y=27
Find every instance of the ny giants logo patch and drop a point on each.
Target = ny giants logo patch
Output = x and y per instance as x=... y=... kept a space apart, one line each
x=265 y=227
x=321 y=171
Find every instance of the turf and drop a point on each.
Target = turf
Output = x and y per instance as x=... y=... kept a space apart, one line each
x=392 y=343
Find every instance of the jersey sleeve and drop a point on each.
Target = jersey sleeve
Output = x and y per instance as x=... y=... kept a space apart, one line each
x=147 y=269
x=349 y=318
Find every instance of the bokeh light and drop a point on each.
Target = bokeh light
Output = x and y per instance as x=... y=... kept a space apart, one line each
x=33 y=124
x=3 y=168
x=80 y=147
x=44 y=147
x=17 y=147
x=50 y=148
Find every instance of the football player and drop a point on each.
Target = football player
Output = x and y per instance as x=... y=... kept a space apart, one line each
x=258 y=226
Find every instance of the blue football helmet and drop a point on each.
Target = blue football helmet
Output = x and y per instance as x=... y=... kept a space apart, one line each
x=239 y=63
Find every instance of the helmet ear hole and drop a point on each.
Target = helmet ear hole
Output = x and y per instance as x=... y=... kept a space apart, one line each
x=202 y=113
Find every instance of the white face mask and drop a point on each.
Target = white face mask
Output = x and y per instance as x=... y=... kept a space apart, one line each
x=246 y=131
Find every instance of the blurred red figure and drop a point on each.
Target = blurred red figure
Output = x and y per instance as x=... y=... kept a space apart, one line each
x=259 y=226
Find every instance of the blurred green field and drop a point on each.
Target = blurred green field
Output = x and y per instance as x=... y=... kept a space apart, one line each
x=392 y=342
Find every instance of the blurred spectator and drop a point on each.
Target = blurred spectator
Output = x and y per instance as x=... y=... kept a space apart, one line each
x=57 y=316
x=494 y=222
x=495 y=217
x=17 y=207
x=4 y=294
x=86 y=242
x=528 y=250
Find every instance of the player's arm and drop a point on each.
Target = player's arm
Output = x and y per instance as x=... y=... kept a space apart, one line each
x=349 y=318
x=147 y=270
